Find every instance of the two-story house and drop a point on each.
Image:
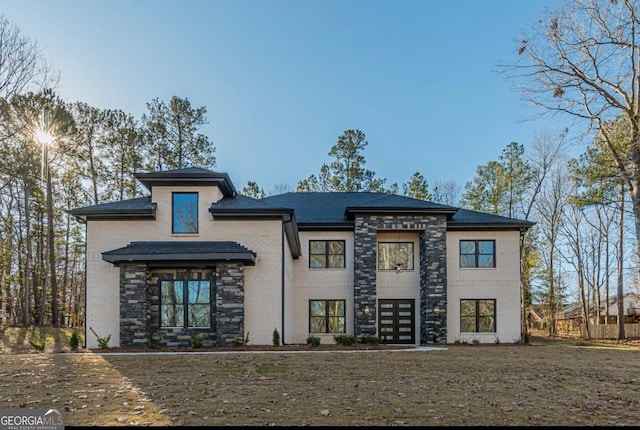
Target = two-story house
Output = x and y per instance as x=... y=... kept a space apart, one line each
x=196 y=257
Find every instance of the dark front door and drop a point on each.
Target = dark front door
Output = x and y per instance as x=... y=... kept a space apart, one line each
x=396 y=320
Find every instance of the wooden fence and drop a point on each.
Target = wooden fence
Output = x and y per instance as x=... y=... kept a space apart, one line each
x=610 y=331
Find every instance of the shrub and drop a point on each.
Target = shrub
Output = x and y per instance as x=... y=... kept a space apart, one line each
x=313 y=341
x=74 y=341
x=197 y=340
x=369 y=339
x=103 y=342
x=526 y=338
x=345 y=339
x=152 y=342
x=37 y=343
x=276 y=337
x=238 y=341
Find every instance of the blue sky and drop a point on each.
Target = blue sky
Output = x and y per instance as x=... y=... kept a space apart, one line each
x=281 y=80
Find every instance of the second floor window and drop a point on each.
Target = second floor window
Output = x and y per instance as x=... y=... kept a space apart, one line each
x=328 y=254
x=477 y=253
x=395 y=256
x=184 y=213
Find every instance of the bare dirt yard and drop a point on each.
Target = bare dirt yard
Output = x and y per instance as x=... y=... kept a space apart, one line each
x=543 y=383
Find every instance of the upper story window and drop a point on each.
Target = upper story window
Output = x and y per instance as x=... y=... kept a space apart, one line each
x=395 y=256
x=184 y=213
x=477 y=253
x=328 y=254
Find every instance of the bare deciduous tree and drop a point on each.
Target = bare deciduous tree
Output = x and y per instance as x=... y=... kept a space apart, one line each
x=583 y=60
x=22 y=67
x=447 y=192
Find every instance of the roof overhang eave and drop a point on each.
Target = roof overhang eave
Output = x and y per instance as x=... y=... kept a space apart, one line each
x=250 y=213
x=221 y=180
x=328 y=226
x=248 y=258
x=489 y=226
x=149 y=214
x=400 y=210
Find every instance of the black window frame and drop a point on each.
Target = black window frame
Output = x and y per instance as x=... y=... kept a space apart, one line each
x=477 y=316
x=476 y=254
x=413 y=254
x=173 y=212
x=327 y=254
x=185 y=303
x=327 y=316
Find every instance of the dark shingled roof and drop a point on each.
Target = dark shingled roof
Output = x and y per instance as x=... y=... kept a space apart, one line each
x=330 y=209
x=192 y=176
x=141 y=206
x=465 y=218
x=243 y=204
x=335 y=207
x=195 y=251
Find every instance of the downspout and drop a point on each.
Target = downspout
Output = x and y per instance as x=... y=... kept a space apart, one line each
x=283 y=283
x=86 y=228
x=524 y=320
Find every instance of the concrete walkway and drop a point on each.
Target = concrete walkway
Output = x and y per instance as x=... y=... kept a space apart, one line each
x=413 y=349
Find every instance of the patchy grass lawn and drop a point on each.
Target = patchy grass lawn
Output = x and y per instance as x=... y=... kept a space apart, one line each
x=503 y=384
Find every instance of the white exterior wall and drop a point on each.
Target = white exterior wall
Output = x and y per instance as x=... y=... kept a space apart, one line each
x=501 y=283
x=406 y=283
x=103 y=278
x=631 y=301
x=285 y=333
x=263 y=282
x=319 y=284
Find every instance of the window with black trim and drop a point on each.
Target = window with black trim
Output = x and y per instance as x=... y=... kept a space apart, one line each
x=395 y=256
x=326 y=316
x=185 y=303
x=327 y=254
x=477 y=316
x=477 y=253
x=184 y=213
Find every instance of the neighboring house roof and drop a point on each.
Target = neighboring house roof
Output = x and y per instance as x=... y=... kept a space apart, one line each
x=574 y=310
x=191 y=251
x=536 y=314
x=613 y=298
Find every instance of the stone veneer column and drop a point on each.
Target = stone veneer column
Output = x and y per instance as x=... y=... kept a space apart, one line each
x=433 y=281
x=433 y=271
x=133 y=305
x=364 y=276
x=229 y=302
